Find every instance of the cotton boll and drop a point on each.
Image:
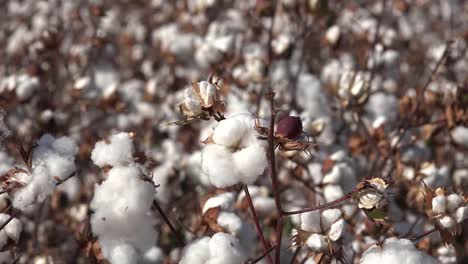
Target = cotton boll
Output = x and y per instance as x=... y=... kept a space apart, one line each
x=225 y=201
x=310 y=222
x=231 y=222
x=461 y=214
x=446 y=222
x=332 y=192
x=226 y=249
x=329 y=217
x=197 y=252
x=336 y=230
x=396 y=250
x=438 y=204
x=117 y=152
x=453 y=202
x=229 y=132
x=154 y=255
x=251 y=162
x=217 y=163
x=460 y=135
x=124 y=254
x=317 y=242
x=65 y=146
x=12 y=230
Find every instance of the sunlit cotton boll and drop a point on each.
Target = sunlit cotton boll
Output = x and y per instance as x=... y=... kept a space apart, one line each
x=396 y=250
x=236 y=155
x=114 y=152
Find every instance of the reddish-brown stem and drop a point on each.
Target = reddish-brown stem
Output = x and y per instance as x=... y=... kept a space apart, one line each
x=323 y=206
x=270 y=95
x=263 y=255
x=167 y=221
x=416 y=238
x=257 y=225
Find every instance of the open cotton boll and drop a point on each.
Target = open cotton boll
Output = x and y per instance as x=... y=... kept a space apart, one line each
x=396 y=250
x=122 y=205
x=217 y=163
x=52 y=160
x=460 y=135
x=197 y=252
x=310 y=222
x=124 y=254
x=116 y=151
x=439 y=204
x=317 y=242
x=225 y=201
x=226 y=249
x=11 y=231
x=220 y=249
x=235 y=155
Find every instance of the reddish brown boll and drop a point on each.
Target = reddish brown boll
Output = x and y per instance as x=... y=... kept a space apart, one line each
x=289 y=127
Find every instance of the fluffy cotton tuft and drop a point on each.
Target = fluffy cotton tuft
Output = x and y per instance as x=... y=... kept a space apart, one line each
x=116 y=151
x=236 y=155
x=220 y=248
x=53 y=160
x=321 y=227
x=11 y=231
x=396 y=250
x=122 y=204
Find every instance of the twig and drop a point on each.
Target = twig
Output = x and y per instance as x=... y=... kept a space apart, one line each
x=257 y=224
x=262 y=256
x=416 y=238
x=296 y=252
x=323 y=206
x=168 y=222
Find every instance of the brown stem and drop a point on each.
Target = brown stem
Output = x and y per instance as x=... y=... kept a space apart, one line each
x=416 y=238
x=270 y=95
x=168 y=222
x=296 y=252
x=323 y=206
x=257 y=225
x=263 y=255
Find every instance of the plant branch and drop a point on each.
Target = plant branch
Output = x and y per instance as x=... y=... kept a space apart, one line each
x=323 y=206
x=257 y=224
x=167 y=221
x=430 y=231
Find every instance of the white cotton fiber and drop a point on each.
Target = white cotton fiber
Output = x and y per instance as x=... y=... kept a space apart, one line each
x=11 y=231
x=460 y=135
x=124 y=254
x=394 y=250
x=236 y=155
x=52 y=160
x=220 y=249
x=217 y=163
x=122 y=204
x=225 y=201
x=116 y=151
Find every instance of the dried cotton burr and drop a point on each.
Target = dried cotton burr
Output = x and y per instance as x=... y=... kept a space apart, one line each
x=371 y=194
x=200 y=100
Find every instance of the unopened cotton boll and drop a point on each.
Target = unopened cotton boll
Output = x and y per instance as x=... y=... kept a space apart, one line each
x=116 y=151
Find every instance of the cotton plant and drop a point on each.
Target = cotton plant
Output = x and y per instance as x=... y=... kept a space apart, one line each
x=52 y=162
x=319 y=230
x=201 y=100
x=395 y=250
x=122 y=219
x=448 y=210
x=11 y=231
x=234 y=154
